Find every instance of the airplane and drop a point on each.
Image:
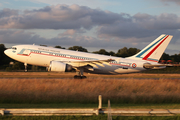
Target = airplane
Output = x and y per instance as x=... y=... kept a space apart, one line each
x=61 y=60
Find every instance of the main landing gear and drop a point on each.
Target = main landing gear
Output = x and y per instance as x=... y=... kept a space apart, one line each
x=80 y=74
x=25 y=65
x=79 y=77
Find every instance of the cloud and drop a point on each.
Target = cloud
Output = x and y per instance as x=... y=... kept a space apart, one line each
x=141 y=26
x=22 y=37
x=18 y=37
x=6 y=12
x=72 y=32
x=175 y=1
x=109 y=29
x=90 y=3
x=76 y=17
x=60 y=17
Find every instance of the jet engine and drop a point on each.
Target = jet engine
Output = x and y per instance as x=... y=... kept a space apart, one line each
x=57 y=66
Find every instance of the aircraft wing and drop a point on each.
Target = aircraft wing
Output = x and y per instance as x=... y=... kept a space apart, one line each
x=92 y=63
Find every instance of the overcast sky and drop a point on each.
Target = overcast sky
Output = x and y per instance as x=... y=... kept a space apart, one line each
x=92 y=24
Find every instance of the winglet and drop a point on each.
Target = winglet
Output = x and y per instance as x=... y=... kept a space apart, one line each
x=154 y=50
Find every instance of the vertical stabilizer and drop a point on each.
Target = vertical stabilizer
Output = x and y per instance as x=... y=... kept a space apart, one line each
x=154 y=50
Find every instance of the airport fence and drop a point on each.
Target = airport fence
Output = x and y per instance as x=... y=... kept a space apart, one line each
x=89 y=112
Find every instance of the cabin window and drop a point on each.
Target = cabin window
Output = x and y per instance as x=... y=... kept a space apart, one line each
x=14 y=48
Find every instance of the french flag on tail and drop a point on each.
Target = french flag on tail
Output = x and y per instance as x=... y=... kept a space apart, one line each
x=154 y=50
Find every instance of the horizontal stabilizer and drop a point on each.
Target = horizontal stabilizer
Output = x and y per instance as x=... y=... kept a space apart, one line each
x=150 y=66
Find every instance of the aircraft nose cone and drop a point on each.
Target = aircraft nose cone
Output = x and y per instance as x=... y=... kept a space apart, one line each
x=6 y=52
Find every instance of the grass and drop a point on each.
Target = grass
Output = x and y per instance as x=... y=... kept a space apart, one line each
x=122 y=91
x=80 y=105
x=54 y=90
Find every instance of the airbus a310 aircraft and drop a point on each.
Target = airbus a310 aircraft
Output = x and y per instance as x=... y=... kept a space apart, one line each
x=61 y=60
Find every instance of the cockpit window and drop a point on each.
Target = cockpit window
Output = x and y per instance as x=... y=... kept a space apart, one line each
x=14 y=48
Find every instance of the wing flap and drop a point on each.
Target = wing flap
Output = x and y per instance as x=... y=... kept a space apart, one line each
x=94 y=63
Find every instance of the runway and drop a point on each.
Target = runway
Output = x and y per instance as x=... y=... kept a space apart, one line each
x=90 y=78
x=70 y=75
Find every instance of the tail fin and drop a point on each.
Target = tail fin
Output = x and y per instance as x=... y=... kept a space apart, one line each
x=154 y=50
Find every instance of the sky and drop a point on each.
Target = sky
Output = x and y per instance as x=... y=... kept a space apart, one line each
x=92 y=24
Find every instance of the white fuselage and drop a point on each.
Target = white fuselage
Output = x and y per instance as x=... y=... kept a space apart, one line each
x=42 y=56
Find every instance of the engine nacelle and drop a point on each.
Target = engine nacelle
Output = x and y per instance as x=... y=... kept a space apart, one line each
x=57 y=66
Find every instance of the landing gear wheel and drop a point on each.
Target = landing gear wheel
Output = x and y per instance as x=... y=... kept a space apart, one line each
x=79 y=77
x=80 y=74
x=83 y=77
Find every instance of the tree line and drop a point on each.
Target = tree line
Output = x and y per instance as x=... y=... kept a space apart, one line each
x=123 y=52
